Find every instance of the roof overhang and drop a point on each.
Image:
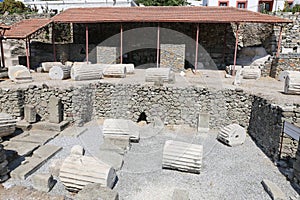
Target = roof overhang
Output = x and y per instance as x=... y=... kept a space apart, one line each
x=185 y=14
x=26 y=28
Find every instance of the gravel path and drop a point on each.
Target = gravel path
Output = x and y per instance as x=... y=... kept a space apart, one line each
x=227 y=172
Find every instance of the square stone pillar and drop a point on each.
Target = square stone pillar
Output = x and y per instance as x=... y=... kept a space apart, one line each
x=55 y=109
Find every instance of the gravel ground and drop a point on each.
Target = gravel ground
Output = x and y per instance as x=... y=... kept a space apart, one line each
x=227 y=172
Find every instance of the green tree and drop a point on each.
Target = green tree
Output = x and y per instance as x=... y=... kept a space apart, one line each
x=12 y=6
x=163 y=2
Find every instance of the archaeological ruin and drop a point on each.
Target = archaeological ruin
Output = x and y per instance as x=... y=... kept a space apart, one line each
x=150 y=103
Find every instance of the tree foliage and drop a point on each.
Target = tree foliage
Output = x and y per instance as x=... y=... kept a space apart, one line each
x=12 y=6
x=163 y=2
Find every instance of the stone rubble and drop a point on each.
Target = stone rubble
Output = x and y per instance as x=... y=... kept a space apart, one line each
x=43 y=182
x=182 y=156
x=232 y=135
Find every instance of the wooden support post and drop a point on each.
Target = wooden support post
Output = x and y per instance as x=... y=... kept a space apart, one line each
x=235 y=49
x=27 y=52
x=157 y=47
x=121 y=44
x=87 y=43
x=53 y=44
x=197 y=47
x=224 y=45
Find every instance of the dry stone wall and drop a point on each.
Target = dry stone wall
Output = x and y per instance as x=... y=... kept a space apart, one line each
x=174 y=105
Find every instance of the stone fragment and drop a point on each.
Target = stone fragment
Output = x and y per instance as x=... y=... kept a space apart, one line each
x=19 y=73
x=79 y=171
x=107 y=146
x=120 y=141
x=31 y=164
x=87 y=72
x=24 y=125
x=55 y=166
x=97 y=191
x=113 y=70
x=121 y=127
x=232 y=135
x=154 y=74
x=182 y=156
x=29 y=113
x=273 y=190
x=180 y=194
x=48 y=65
x=60 y=72
x=238 y=78
x=203 y=122
x=77 y=150
x=43 y=182
x=55 y=110
x=249 y=73
x=292 y=83
x=282 y=75
x=35 y=136
x=44 y=125
x=7 y=124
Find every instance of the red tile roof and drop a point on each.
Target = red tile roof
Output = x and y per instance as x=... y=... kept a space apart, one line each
x=164 y=14
x=4 y=26
x=25 y=28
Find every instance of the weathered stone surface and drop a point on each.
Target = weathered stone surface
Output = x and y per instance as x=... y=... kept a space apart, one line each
x=55 y=166
x=87 y=72
x=96 y=191
x=292 y=83
x=106 y=54
x=154 y=74
x=249 y=73
x=43 y=182
x=238 y=78
x=172 y=56
x=203 y=122
x=50 y=126
x=22 y=148
x=77 y=150
x=35 y=136
x=29 y=113
x=121 y=127
x=73 y=131
x=273 y=190
x=19 y=73
x=60 y=72
x=180 y=194
x=107 y=146
x=232 y=135
x=55 y=110
x=282 y=75
x=33 y=163
x=79 y=171
x=117 y=71
x=122 y=141
x=48 y=65
x=182 y=156
x=7 y=124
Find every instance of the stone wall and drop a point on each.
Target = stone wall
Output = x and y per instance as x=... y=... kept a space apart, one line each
x=172 y=56
x=266 y=124
x=175 y=106
x=285 y=62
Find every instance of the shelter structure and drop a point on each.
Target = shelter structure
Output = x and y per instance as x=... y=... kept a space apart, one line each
x=93 y=22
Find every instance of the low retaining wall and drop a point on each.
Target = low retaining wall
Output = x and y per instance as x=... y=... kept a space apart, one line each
x=173 y=105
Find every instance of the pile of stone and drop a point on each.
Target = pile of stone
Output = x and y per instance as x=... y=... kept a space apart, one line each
x=182 y=156
x=3 y=165
x=292 y=83
x=157 y=74
x=232 y=135
x=7 y=124
x=19 y=74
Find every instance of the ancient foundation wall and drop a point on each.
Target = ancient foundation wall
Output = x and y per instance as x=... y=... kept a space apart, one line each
x=175 y=106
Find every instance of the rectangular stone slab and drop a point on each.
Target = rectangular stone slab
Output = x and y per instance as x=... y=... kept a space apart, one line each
x=35 y=136
x=22 y=148
x=273 y=190
x=50 y=126
x=35 y=162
